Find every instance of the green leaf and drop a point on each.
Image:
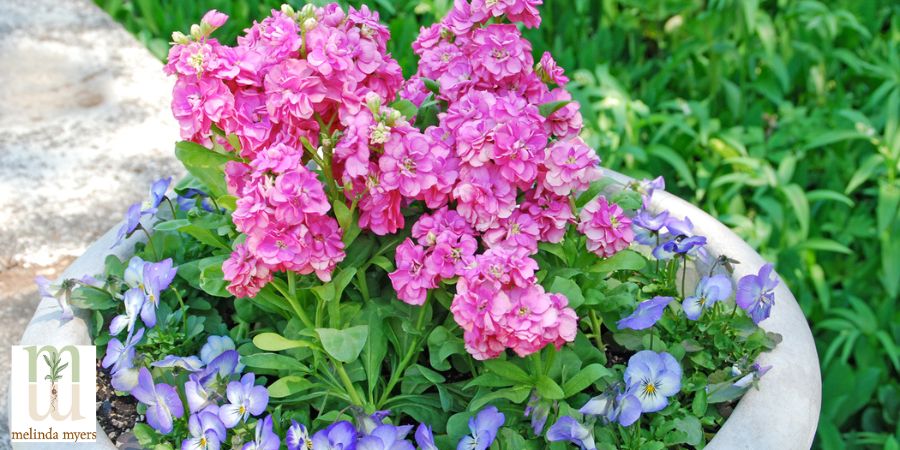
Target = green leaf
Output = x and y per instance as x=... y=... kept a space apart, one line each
x=507 y=369
x=800 y=206
x=698 y=405
x=171 y=225
x=432 y=85
x=549 y=108
x=145 y=435
x=212 y=279
x=516 y=394
x=548 y=389
x=568 y=287
x=344 y=345
x=289 y=385
x=346 y=221
x=273 y=342
x=376 y=347
x=273 y=361
x=584 y=378
x=624 y=260
x=205 y=164
x=405 y=107
x=691 y=429
x=90 y=298
x=675 y=160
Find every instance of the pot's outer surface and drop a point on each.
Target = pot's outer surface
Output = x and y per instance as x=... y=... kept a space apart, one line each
x=782 y=415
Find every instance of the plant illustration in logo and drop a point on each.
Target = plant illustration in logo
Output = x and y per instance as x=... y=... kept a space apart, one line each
x=54 y=376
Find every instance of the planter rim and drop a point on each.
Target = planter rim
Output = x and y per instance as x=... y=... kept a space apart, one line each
x=783 y=413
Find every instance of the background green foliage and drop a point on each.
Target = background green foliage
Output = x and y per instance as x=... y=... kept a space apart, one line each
x=782 y=118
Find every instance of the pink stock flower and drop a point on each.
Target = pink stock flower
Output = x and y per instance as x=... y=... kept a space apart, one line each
x=567 y=121
x=293 y=90
x=482 y=197
x=206 y=57
x=451 y=255
x=278 y=158
x=274 y=39
x=519 y=149
x=524 y=11
x=518 y=231
x=380 y=210
x=197 y=103
x=326 y=249
x=500 y=52
x=411 y=280
x=433 y=227
x=297 y=193
x=214 y=19
x=428 y=38
x=552 y=214
x=571 y=167
x=250 y=121
x=607 y=228
x=328 y=50
x=551 y=72
x=407 y=164
x=245 y=273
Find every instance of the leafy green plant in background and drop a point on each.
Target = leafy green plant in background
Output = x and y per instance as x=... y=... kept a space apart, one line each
x=782 y=118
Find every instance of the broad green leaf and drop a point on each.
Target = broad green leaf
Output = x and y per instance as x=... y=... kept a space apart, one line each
x=289 y=385
x=507 y=369
x=548 y=389
x=273 y=361
x=547 y=109
x=568 y=287
x=205 y=164
x=516 y=394
x=624 y=260
x=344 y=345
x=90 y=298
x=405 y=107
x=273 y=342
x=584 y=378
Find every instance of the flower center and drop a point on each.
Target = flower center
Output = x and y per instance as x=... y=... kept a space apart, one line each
x=515 y=229
x=242 y=410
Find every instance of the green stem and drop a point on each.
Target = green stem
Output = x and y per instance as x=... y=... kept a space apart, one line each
x=348 y=385
x=295 y=305
x=183 y=312
x=171 y=207
x=407 y=358
x=683 y=274
x=362 y=284
x=595 y=326
x=149 y=242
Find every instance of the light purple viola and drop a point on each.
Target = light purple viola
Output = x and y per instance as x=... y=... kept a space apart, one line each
x=709 y=291
x=60 y=297
x=386 y=437
x=568 y=429
x=196 y=394
x=265 y=438
x=338 y=436
x=756 y=293
x=189 y=363
x=132 y=221
x=206 y=431
x=646 y=314
x=156 y=277
x=297 y=437
x=163 y=403
x=680 y=240
x=120 y=355
x=647 y=187
x=647 y=226
x=425 y=438
x=157 y=194
x=483 y=429
x=538 y=410
x=215 y=347
x=134 y=301
x=653 y=378
x=614 y=406
x=367 y=423
x=244 y=399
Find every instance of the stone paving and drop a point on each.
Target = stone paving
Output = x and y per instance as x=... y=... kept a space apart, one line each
x=85 y=128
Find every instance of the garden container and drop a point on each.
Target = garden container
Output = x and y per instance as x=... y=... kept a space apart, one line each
x=782 y=414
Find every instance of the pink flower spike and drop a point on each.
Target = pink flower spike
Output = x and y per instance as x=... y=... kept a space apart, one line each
x=607 y=228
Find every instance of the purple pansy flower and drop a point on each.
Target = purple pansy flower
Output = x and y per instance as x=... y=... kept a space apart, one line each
x=156 y=277
x=132 y=220
x=680 y=241
x=709 y=291
x=616 y=406
x=646 y=314
x=425 y=438
x=207 y=432
x=119 y=355
x=196 y=394
x=297 y=437
x=214 y=348
x=571 y=430
x=483 y=428
x=244 y=399
x=157 y=194
x=134 y=300
x=338 y=436
x=163 y=403
x=265 y=439
x=647 y=187
x=653 y=378
x=367 y=423
x=386 y=437
x=43 y=285
x=756 y=293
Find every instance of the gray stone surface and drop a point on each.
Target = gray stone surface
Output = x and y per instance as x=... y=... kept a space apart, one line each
x=85 y=128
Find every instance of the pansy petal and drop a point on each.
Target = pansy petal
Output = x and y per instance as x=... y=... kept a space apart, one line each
x=629 y=410
x=159 y=418
x=692 y=308
x=230 y=415
x=258 y=400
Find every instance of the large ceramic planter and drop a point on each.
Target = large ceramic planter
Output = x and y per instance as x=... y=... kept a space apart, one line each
x=782 y=414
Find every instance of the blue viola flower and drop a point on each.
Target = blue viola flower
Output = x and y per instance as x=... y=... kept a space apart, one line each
x=216 y=346
x=206 y=432
x=163 y=403
x=647 y=187
x=156 y=278
x=338 y=436
x=653 y=378
x=571 y=430
x=646 y=314
x=756 y=293
x=709 y=291
x=134 y=301
x=680 y=240
x=265 y=438
x=615 y=406
x=244 y=399
x=483 y=429
x=297 y=437
x=120 y=355
x=157 y=194
x=367 y=423
x=425 y=438
x=196 y=394
x=386 y=437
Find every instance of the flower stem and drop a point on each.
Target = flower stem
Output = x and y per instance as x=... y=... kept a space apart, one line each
x=348 y=385
x=183 y=312
x=149 y=242
x=407 y=358
x=595 y=326
x=295 y=305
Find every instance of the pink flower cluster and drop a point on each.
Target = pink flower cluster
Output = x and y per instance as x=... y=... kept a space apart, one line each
x=291 y=85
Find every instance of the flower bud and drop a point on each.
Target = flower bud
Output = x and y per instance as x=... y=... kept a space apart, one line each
x=196 y=32
x=308 y=11
x=288 y=10
x=180 y=38
x=373 y=101
x=310 y=23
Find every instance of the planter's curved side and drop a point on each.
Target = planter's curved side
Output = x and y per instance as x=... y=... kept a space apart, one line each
x=45 y=327
x=784 y=412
